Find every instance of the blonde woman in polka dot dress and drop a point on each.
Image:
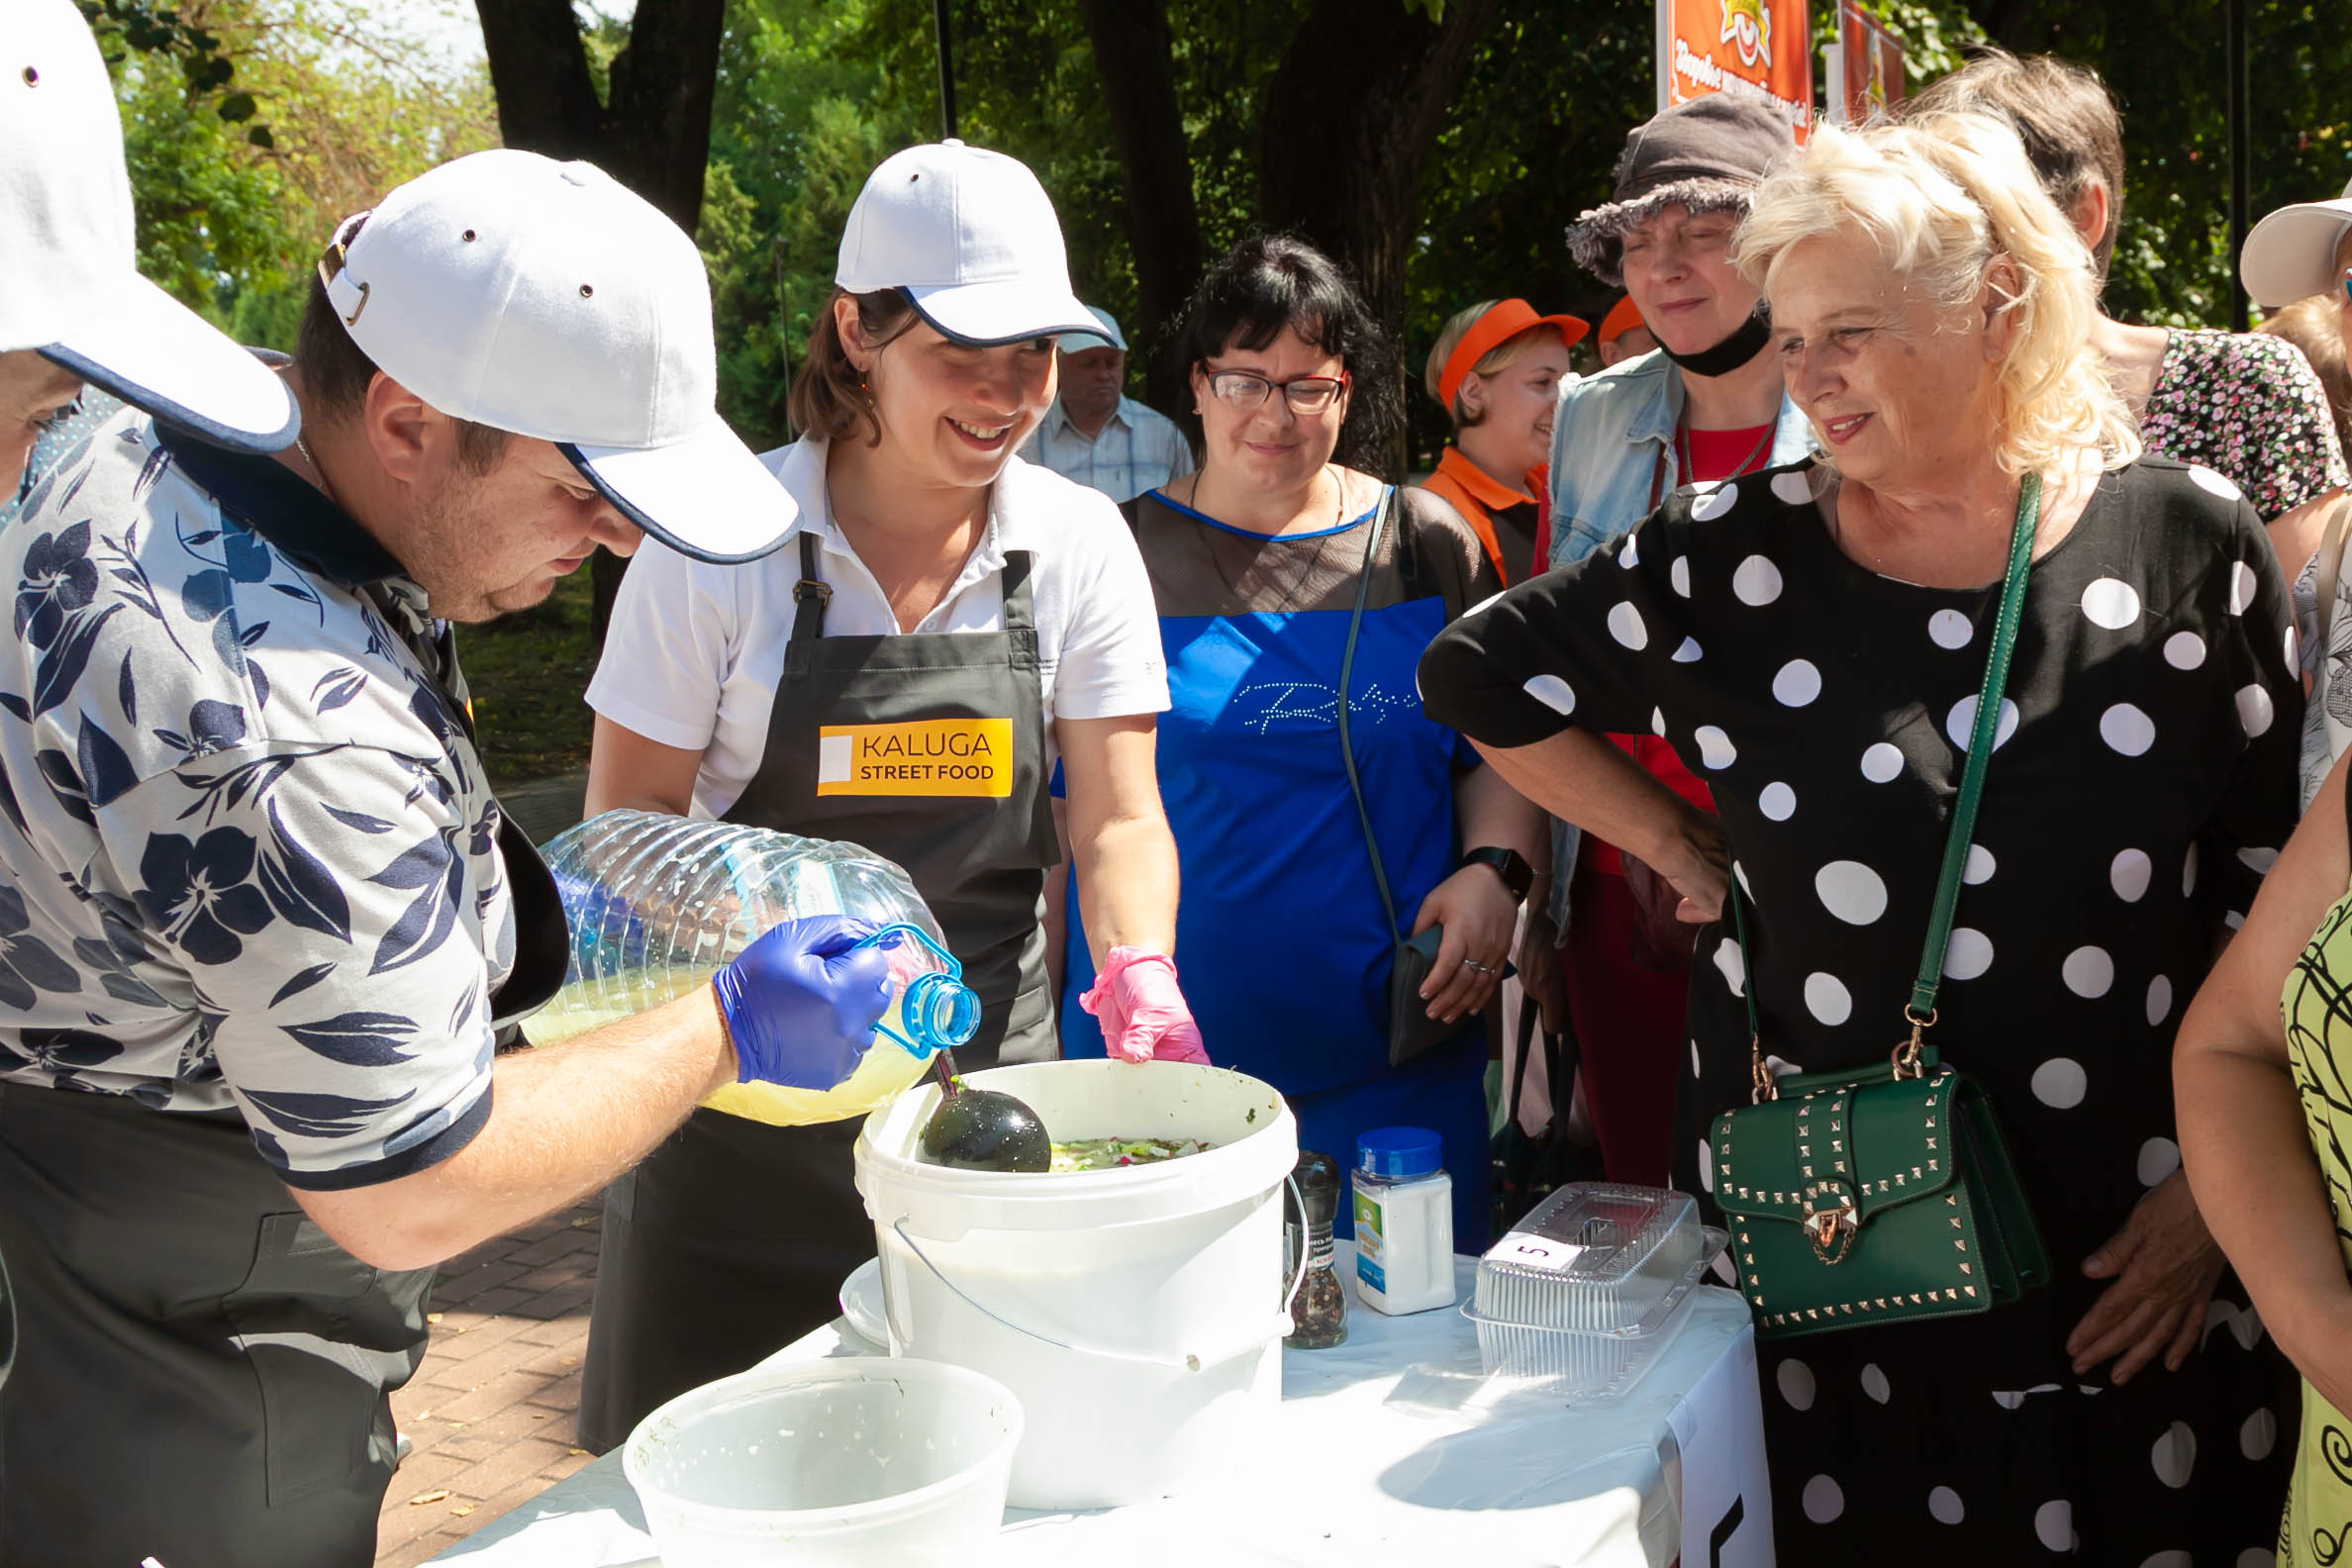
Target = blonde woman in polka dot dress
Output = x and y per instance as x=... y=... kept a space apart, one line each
x=1812 y=640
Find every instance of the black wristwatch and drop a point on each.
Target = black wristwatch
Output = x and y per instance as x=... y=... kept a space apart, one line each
x=1509 y=865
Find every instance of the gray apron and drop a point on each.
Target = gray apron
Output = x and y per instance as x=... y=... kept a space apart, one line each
x=732 y=1238
x=203 y=1375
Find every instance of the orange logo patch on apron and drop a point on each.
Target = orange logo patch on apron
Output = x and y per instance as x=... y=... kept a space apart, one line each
x=929 y=757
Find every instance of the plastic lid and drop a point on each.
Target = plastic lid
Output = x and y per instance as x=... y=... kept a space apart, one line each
x=941 y=1013
x=1397 y=1151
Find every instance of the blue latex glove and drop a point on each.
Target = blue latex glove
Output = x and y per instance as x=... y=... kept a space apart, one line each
x=799 y=1002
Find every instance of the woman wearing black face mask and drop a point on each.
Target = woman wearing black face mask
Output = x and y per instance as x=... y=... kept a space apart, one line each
x=1706 y=406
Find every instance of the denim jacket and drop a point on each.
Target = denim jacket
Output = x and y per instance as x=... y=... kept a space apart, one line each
x=1609 y=435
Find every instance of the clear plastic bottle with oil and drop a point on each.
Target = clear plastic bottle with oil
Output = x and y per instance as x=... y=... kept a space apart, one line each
x=656 y=903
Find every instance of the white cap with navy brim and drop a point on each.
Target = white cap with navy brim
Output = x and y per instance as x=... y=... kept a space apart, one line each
x=2291 y=254
x=971 y=239
x=1108 y=336
x=549 y=300
x=70 y=284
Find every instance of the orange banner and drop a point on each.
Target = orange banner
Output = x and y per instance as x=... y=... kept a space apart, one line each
x=1865 y=67
x=1759 y=46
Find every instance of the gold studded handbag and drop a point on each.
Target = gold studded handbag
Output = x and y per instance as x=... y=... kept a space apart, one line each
x=1887 y=1193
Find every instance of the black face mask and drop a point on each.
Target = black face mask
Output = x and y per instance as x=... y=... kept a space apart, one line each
x=1746 y=341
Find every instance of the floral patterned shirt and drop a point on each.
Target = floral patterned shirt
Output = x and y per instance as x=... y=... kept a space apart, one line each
x=247 y=854
x=2251 y=407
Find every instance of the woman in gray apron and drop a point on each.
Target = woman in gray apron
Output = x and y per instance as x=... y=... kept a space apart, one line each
x=949 y=625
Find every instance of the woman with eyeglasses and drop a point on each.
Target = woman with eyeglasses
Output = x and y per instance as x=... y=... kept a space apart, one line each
x=1260 y=563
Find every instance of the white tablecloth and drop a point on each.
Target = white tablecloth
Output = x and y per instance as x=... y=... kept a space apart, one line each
x=1376 y=1459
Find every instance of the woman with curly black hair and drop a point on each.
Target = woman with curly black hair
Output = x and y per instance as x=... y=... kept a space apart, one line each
x=1265 y=563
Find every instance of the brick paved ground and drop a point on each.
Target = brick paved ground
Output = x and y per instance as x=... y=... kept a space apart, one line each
x=492 y=1409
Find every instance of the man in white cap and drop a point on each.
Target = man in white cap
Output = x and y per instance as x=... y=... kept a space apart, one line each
x=72 y=305
x=1095 y=432
x=2301 y=250
x=261 y=916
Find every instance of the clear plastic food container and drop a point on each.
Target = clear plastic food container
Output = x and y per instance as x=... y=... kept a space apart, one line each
x=1584 y=1293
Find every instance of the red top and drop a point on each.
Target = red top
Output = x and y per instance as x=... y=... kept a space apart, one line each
x=1719 y=454
x=1710 y=454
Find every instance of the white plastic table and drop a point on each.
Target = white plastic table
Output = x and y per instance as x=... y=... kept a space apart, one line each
x=1374 y=1460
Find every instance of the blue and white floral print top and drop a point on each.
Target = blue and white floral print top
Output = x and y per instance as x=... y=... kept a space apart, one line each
x=247 y=856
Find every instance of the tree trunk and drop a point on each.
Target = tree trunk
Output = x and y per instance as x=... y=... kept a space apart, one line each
x=1351 y=114
x=653 y=135
x=1132 y=59
x=661 y=111
x=538 y=73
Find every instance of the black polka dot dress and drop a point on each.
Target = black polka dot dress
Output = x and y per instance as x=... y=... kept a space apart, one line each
x=2142 y=780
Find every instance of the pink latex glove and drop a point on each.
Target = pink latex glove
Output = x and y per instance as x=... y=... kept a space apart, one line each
x=1144 y=1017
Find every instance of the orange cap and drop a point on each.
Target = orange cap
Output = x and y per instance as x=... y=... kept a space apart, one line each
x=1505 y=322
x=1622 y=319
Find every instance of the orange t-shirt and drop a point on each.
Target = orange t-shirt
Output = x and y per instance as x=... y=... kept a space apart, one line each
x=1477 y=495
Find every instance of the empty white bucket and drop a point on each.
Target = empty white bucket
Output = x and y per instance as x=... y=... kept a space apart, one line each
x=1137 y=1313
x=828 y=1463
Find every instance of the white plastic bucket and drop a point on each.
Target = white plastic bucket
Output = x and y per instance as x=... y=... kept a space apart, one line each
x=1138 y=1313
x=828 y=1463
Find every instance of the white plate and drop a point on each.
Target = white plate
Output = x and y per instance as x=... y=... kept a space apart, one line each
x=861 y=1303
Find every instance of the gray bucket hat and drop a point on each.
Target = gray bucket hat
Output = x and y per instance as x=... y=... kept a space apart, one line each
x=1707 y=154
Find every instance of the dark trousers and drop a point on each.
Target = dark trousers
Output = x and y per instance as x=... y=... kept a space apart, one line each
x=202 y=1375
x=728 y=1243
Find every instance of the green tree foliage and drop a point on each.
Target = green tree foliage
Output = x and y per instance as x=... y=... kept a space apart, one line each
x=2163 y=61
x=813 y=93
x=168 y=33
x=231 y=226
x=803 y=112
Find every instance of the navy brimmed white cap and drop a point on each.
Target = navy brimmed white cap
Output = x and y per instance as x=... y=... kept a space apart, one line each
x=69 y=283
x=2291 y=254
x=1107 y=337
x=548 y=300
x=971 y=239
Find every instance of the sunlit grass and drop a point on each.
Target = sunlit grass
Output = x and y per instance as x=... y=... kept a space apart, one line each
x=529 y=675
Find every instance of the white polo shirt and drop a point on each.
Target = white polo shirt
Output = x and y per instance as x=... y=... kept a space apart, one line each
x=695 y=650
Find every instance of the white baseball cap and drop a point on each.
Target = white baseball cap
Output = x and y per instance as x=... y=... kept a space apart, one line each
x=1108 y=337
x=70 y=284
x=2291 y=254
x=548 y=300
x=971 y=239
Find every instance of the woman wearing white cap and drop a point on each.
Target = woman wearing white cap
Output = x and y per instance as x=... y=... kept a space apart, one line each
x=905 y=675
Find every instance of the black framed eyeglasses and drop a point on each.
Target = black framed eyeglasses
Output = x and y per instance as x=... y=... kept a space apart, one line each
x=2347 y=282
x=1245 y=390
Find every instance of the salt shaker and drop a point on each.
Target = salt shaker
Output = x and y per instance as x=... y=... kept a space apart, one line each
x=1404 y=1221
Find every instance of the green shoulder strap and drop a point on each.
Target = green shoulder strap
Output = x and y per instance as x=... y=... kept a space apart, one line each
x=1920 y=1010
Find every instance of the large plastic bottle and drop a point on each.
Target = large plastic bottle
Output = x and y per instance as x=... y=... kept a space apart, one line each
x=656 y=903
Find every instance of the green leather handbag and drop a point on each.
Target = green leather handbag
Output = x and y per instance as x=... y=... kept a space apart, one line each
x=1886 y=1193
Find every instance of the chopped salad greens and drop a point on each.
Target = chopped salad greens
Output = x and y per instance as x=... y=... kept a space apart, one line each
x=1085 y=1154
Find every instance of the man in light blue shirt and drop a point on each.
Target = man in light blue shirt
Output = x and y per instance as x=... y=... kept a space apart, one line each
x=1095 y=432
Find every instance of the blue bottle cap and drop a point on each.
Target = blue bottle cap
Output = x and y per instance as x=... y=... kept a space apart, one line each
x=1397 y=1151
